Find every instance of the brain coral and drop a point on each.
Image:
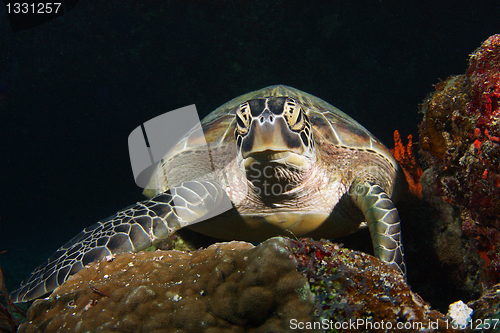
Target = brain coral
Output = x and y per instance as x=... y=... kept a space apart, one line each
x=220 y=289
x=232 y=287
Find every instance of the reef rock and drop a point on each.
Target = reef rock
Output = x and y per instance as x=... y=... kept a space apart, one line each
x=486 y=312
x=282 y=285
x=354 y=287
x=459 y=138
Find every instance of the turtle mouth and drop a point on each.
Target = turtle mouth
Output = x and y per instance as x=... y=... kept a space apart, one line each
x=269 y=155
x=285 y=158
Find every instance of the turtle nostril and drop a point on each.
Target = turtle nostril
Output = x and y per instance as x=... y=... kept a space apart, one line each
x=266 y=116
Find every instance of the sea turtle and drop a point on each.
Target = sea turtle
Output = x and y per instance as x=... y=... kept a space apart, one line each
x=290 y=164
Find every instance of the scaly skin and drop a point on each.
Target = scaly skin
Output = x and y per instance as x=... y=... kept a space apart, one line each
x=383 y=221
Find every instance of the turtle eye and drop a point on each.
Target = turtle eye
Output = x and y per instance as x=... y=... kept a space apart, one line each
x=243 y=118
x=294 y=115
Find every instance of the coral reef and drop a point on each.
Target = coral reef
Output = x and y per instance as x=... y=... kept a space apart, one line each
x=484 y=73
x=458 y=262
x=350 y=286
x=282 y=285
x=10 y=313
x=459 y=139
x=486 y=315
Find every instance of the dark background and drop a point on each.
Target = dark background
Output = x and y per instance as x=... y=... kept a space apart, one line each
x=73 y=89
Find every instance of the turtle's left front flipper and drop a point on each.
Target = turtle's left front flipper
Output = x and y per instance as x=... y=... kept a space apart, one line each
x=383 y=221
x=133 y=229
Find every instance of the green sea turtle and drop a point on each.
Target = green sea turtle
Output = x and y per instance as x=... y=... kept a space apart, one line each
x=287 y=162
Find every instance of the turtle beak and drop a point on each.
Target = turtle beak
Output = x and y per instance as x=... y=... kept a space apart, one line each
x=269 y=138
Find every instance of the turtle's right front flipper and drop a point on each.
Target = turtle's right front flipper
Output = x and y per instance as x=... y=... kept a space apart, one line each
x=132 y=229
x=383 y=221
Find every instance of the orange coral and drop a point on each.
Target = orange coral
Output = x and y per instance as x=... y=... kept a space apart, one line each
x=406 y=158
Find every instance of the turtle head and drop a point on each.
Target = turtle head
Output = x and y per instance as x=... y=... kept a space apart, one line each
x=274 y=131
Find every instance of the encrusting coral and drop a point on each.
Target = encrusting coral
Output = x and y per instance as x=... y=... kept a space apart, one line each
x=282 y=285
x=486 y=315
x=350 y=286
x=459 y=139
